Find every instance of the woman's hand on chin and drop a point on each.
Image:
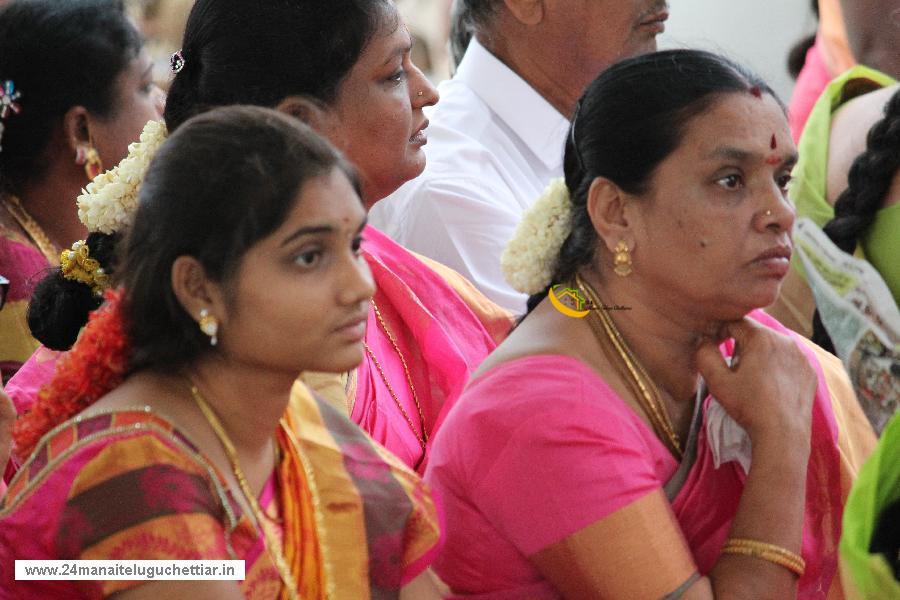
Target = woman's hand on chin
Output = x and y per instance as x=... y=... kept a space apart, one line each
x=769 y=387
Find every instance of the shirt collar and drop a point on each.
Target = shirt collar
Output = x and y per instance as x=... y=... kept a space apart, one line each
x=515 y=102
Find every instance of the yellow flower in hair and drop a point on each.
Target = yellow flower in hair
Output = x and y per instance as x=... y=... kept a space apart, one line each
x=77 y=265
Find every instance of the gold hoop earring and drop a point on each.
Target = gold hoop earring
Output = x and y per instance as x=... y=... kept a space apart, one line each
x=622 y=260
x=209 y=326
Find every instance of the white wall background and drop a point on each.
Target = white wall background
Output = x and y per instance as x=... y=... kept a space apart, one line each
x=756 y=33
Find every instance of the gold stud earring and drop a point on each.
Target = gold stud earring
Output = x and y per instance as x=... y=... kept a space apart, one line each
x=93 y=166
x=210 y=326
x=622 y=260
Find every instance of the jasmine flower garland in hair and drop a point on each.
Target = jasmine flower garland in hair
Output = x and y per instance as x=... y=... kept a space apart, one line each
x=109 y=201
x=529 y=259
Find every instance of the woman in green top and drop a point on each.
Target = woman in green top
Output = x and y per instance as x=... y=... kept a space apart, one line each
x=867 y=213
x=834 y=137
x=870 y=543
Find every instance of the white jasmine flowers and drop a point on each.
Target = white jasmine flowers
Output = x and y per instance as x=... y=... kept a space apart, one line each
x=530 y=257
x=108 y=203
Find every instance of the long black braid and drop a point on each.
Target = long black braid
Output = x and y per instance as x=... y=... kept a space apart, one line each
x=869 y=180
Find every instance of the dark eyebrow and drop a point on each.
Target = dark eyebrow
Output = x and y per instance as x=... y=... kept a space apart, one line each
x=314 y=229
x=729 y=152
x=400 y=50
x=743 y=156
x=792 y=159
x=307 y=231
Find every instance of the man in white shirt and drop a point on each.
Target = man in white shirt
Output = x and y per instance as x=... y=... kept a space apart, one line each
x=497 y=135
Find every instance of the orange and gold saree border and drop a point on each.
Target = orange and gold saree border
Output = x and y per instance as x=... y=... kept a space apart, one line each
x=647 y=555
x=328 y=443
x=855 y=438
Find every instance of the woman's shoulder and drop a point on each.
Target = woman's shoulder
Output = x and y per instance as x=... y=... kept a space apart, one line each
x=121 y=484
x=108 y=456
x=535 y=400
x=532 y=375
x=20 y=259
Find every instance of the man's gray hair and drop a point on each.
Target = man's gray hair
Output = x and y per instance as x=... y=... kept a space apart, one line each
x=476 y=13
x=467 y=17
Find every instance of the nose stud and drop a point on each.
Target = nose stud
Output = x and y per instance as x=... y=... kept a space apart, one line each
x=768 y=213
x=420 y=93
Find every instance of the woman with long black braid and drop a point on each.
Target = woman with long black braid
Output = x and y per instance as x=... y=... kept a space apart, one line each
x=867 y=213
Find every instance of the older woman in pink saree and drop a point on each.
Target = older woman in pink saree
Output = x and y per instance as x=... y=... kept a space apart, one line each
x=658 y=436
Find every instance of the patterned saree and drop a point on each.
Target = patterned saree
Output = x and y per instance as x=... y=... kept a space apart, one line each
x=352 y=522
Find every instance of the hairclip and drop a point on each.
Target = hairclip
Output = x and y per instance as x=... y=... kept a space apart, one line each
x=77 y=265
x=8 y=97
x=177 y=62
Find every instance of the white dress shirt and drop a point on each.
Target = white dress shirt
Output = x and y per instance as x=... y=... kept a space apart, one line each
x=494 y=144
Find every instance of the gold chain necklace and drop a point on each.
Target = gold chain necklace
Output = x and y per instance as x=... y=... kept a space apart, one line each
x=642 y=386
x=258 y=514
x=423 y=438
x=31 y=227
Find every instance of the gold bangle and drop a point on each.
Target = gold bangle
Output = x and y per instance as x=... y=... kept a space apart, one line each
x=770 y=552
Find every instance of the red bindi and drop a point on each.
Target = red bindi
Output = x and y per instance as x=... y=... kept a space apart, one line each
x=773 y=144
x=756 y=91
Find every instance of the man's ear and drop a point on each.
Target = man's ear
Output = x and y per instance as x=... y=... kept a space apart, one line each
x=527 y=12
x=609 y=212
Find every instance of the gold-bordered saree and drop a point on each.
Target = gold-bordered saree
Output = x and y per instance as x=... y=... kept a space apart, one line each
x=352 y=521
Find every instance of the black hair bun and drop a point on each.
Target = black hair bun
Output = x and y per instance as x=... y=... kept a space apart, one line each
x=59 y=307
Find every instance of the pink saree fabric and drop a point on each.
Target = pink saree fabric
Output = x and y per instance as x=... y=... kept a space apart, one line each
x=810 y=84
x=440 y=338
x=24 y=386
x=23 y=265
x=540 y=447
x=37 y=372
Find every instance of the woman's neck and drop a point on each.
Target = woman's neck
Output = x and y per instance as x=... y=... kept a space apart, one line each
x=248 y=399
x=662 y=334
x=51 y=203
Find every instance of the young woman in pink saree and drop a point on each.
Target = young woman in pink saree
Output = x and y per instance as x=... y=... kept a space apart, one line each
x=646 y=431
x=346 y=68
x=181 y=433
